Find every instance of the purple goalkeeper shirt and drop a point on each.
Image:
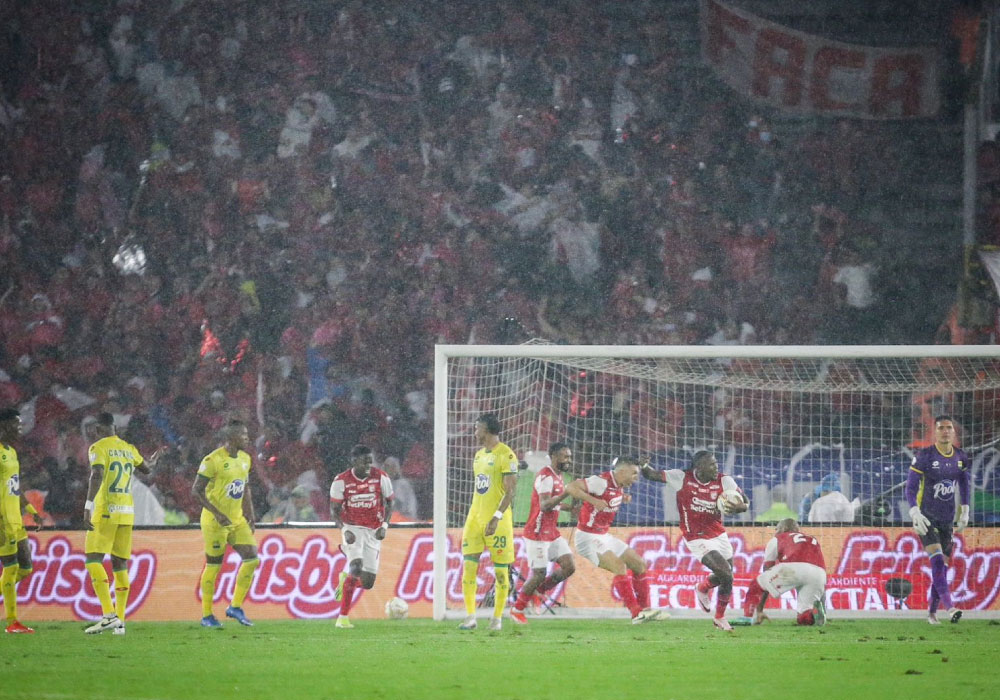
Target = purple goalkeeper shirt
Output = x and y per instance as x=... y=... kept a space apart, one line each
x=932 y=480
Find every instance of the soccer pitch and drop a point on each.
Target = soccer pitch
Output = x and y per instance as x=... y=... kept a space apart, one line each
x=550 y=658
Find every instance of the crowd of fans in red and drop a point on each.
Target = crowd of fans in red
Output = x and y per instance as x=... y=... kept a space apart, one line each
x=317 y=193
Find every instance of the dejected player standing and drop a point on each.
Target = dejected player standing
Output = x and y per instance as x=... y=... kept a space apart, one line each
x=698 y=490
x=541 y=531
x=361 y=505
x=489 y=524
x=602 y=495
x=930 y=490
x=792 y=560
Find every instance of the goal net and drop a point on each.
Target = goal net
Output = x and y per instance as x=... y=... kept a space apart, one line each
x=788 y=424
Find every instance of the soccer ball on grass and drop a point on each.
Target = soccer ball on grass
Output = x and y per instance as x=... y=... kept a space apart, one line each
x=397 y=609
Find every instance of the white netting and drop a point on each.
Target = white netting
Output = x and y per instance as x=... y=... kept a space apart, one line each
x=779 y=425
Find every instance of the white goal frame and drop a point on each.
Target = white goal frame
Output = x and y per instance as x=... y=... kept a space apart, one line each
x=442 y=353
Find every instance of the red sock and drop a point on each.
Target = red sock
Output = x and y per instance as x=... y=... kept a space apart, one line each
x=623 y=587
x=641 y=586
x=706 y=585
x=522 y=600
x=350 y=583
x=549 y=583
x=805 y=618
x=753 y=597
x=722 y=601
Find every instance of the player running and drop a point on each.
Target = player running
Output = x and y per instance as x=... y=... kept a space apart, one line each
x=361 y=505
x=223 y=489
x=930 y=491
x=698 y=490
x=602 y=495
x=792 y=559
x=541 y=532
x=109 y=514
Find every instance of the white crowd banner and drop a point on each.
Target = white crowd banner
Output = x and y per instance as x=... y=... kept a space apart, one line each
x=806 y=73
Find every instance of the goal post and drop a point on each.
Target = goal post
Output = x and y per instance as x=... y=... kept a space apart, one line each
x=785 y=422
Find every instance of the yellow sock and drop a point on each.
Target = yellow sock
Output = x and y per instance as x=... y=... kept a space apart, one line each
x=208 y=577
x=23 y=573
x=8 y=586
x=470 y=569
x=99 y=578
x=121 y=592
x=244 y=577
x=502 y=589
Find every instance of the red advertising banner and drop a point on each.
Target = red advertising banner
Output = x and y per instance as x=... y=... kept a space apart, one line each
x=807 y=73
x=300 y=568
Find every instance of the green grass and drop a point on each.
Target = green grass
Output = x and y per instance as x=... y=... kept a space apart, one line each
x=566 y=659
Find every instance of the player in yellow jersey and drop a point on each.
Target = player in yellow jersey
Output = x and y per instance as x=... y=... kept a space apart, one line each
x=15 y=554
x=109 y=514
x=489 y=524
x=223 y=489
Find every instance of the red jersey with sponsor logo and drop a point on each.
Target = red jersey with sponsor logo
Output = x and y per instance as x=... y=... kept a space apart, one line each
x=604 y=487
x=700 y=516
x=797 y=547
x=544 y=525
x=363 y=499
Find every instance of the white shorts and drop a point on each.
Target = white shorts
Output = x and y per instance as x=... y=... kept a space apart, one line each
x=719 y=544
x=365 y=547
x=541 y=552
x=808 y=580
x=591 y=546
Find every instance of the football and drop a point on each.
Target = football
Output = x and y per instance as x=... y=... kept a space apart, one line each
x=728 y=499
x=397 y=609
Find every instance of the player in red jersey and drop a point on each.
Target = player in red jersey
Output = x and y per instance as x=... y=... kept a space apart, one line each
x=792 y=559
x=602 y=494
x=698 y=490
x=541 y=532
x=360 y=504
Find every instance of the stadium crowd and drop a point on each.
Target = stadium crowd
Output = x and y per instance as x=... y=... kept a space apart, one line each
x=276 y=209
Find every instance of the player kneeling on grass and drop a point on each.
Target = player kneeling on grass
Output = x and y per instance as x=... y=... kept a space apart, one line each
x=361 y=505
x=541 y=531
x=223 y=489
x=602 y=495
x=792 y=559
x=698 y=497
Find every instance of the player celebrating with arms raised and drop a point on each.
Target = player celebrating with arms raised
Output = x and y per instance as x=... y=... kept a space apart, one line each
x=930 y=491
x=541 y=531
x=223 y=489
x=698 y=490
x=602 y=495
x=489 y=524
x=361 y=505
x=109 y=514
x=792 y=559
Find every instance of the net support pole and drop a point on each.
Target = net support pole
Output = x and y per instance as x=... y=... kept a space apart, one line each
x=440 y=514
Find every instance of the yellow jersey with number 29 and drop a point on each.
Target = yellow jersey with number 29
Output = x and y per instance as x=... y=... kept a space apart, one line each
x=490 y=467
x=117 y=460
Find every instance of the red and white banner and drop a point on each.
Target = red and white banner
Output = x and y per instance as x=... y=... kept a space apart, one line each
x=803 y=72
x=300 y=567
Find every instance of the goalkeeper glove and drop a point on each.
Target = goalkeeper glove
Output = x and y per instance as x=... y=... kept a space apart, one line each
x=963 y=518
x=920 y=521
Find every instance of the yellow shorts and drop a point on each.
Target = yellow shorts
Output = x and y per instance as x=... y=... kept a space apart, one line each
x=11 y=536
x=500 y=543
x=217 y=536
x=109 y=537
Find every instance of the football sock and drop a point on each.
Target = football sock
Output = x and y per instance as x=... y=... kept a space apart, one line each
x=805 y=618
x=708 y=584
x=8 y=586
x=640 y=585
x=23 y=573
x=932 y=607
x=208 y=577
x=244 y=577
x=503 y=589
x=550 y=582
x=121 y=592
x=623 y=587
x=753 y=597
x=470 y=570
x=99 y=579
x=722 y=600
x=350 y=583
x=939 y=579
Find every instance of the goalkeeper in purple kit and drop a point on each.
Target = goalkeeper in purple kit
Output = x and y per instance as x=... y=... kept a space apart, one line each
x=935 y=473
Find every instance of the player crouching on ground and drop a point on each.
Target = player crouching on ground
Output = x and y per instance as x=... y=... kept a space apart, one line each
x=602 y=495
x=792 y=559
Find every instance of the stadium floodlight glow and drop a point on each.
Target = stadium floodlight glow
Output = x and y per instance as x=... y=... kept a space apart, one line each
x=778 y=418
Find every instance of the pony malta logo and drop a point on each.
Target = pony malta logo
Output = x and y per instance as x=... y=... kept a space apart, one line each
x=61 y=578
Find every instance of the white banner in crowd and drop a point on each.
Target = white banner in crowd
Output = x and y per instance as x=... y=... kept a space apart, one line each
x=806 y=73
x=991 y=261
